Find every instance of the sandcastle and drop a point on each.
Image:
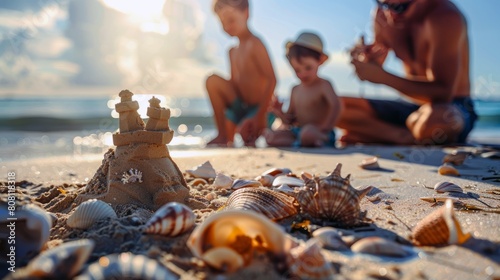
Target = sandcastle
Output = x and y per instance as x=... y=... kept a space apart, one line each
x=140 y=170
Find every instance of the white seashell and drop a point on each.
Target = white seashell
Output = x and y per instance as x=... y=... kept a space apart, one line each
x=287 y=180
x=61 y=262
x=242 y=183
x=224 y=259
x=126 y=266
x=132 y=176
x=330 y=238
x=265 y=180
x=375 y=245
x=443 y=187
x=90 y=212
x=370 y=163
x=205 y=171
x=285 y=189
x=308 y=262
x=171 y=219
x=222 y=181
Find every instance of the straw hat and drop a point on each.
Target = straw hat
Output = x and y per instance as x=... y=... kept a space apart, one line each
x=308 y=40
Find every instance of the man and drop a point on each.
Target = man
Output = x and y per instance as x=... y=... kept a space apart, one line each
x=430 y=38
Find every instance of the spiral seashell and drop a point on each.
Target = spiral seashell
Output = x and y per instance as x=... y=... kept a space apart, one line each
x=205 y=171
x=370 y=163
x=446 y=169
x=222 y=181
x=273 y=205
x=242 y=183
x=224 y=259
x=375 y=245
x=171 y=219
x=307 y=262
x=443 y=187
x=331 y=198
x=440 y=227
x=287 y=180
x=90 y=212
x=126 y=266
x=455 y=158
x=330 y=238
x=265 y=180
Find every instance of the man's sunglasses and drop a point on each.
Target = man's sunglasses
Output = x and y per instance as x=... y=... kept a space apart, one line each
x=396 y=8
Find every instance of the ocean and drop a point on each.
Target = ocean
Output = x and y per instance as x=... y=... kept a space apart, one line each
x=51 y=126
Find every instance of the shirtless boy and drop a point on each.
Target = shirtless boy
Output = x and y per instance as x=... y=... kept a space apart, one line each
x=314 y=107
x=430 y=38
x=242 y=101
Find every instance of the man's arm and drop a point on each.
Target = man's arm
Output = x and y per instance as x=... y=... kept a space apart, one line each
x=265 y=66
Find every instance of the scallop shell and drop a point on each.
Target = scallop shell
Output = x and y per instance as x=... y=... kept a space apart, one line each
x=440 y=227
x=375 y=245
x=370 y=163
x=126 y=266
x=332 y=198
x=235 y=228
x=287 y=180
x=90 y=212
x=273 y=205
x=171 y=219
x=265 y=180
x=443 y=187
x=446 y=169
x=222 y=181
x=455 y=158
x=205 y=171
x=307 y=262
x=242 y=183
x=224 y=259
x=330 y=238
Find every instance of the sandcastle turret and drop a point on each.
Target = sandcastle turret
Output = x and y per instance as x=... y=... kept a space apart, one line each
x=130 y=120
x=158 y=116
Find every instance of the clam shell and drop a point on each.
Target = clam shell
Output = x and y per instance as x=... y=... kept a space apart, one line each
x=370 y=163
x=276 y=172
x=126 y=266
x=171 y=219
x=330 y=238
x=331 y=198
x=287 y=180
x=273 y=205
x=224 y=259
x=455 y=158
x=265 y=180
x=222 y=181
x=285 y=189
x=443 y=187
x=307 y=262
x=205 y=171
x=242 y=183
x=375 y=245
x=440 y=227
x=90 y=212
x=446 y=169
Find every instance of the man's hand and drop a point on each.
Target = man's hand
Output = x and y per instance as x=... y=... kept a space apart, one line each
x=368 y=71
x=250 y=129
x=374 y=53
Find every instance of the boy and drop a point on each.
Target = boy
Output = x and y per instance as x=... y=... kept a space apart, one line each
x=314 y=107
x=242 y=101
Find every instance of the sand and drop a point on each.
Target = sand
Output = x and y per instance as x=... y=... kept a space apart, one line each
x=406 y=174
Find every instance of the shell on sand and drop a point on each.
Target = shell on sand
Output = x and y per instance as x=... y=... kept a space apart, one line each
x=370 y=163
x=276 y=172
x=126 y=266
x=132 y=176
x=171 y=219
x=287 y=180
x=205 y=171
x=307 y=262
x=242 y=183
x=198 y=182
x=90 y=212
x=443 y=187
x=222 y=181
x=265 y=180
x=285 y=189
x=440 y=227
x=330 y=238
x=455 y=158
x=375 y=245
x=446 y=169
x=274 y=205
x=331 y=198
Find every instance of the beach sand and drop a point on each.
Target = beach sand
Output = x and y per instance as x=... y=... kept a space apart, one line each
x=406 y=174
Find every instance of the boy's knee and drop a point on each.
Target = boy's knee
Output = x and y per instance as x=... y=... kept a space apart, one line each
x=308 y=136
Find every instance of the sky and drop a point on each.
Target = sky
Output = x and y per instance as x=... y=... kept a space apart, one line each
x=169 y=47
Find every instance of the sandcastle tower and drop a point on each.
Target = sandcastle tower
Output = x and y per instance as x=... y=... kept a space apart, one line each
x=140 y=170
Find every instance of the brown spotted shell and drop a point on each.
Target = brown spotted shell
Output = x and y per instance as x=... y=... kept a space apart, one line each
x=171 y=219
x=331 y=198
x=272 y=204
x=307 y=262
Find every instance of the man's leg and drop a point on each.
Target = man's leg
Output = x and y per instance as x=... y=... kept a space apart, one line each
x=221 y=93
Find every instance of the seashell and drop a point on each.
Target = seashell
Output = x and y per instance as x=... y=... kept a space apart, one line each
x=455 y=158
x=287 y=180
x=307 y=262
x=330 y=238
x=132 y=176
x=491 y=155
x=443 y=187
x=285 y=189
x=126 y=266
x=235 y=228
x=265 y=180
x=224 y=259
x=446 y=169
x=276 y=172
x=171 y=219
x=306 y=175
x=440 y=227
x=205 y=171
x=242 y=183
x=61 y=262
x=370 y=163
x=222 y=181
x=90 y=212
x=198 y=181
x=210 y=196
x=332 y=198
x=273 y=205
x=375 y=245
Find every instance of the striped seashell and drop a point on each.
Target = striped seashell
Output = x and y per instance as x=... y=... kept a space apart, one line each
x=287 y=180
x=89 y=212
x=331 y=198
x=273 y=205
x=126 y=266
x=307 y=262
x=330 y=238
x=242 y=183
x=455 y=158
x=265 y=180
x=375 y=245
x=222 y=181
x=61 y=262
x=446 y=169
x=443 y=187
x=276 y=172
x=205 y=171
x=370 y=163
x=224 y=259
x=171 y=219
x=440 y=227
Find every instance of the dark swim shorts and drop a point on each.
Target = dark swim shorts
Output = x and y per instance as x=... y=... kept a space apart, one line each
x=296 y=132
x=396 y=112
x=239 y=110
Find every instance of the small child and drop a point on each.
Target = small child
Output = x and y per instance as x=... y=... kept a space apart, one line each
x=242 y=101
x=314 y=106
